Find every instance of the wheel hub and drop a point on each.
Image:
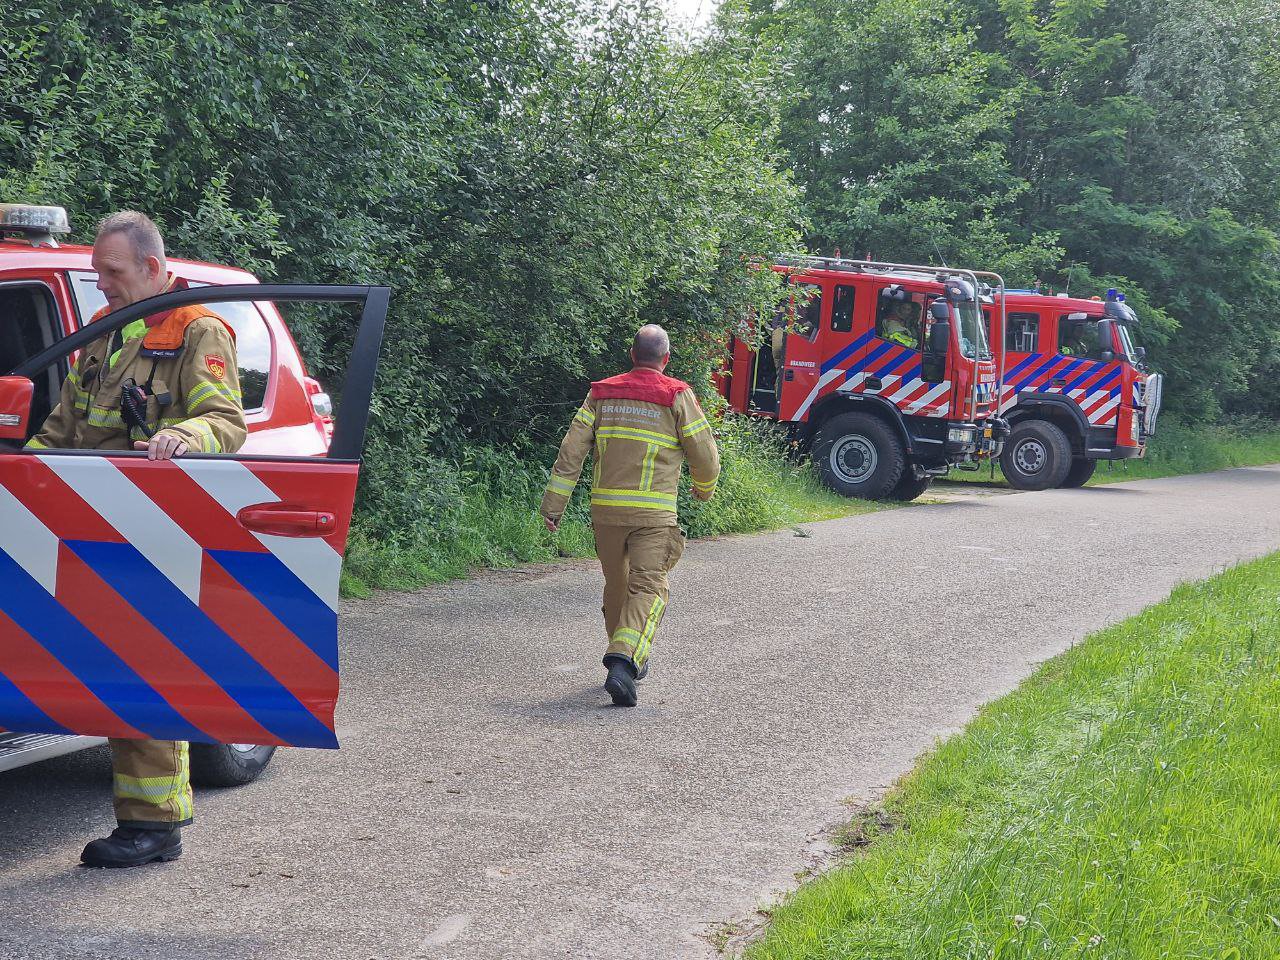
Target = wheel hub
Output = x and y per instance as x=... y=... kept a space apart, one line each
x=854 y=458
x=1030 y=457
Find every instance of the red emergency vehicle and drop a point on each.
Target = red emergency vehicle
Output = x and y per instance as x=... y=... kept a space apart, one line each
x=192 y=599
x=1076 y=389
x=887 y=377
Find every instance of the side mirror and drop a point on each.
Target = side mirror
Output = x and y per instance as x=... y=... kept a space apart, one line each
x=938 y=310
x=16 y=394
x=1106 y=356
x=1140 y=353
x=940 y=337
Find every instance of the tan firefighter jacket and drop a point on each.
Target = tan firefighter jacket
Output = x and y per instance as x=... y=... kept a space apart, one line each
x=639 y=427
x=186 y=362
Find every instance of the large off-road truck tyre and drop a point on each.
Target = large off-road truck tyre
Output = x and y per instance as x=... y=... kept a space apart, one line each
x=228 y=764
x=1080 y=472
x=859 y=455
x=1037 y=456
x=910 y=487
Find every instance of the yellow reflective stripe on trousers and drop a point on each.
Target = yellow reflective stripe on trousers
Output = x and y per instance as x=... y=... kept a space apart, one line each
x=585 y=415
x=650 y=628
x=626 y=636
x=696 y=427
x=644 y=499
x=644 y=436
x=646 y=470
x=560 y=485
x=173 y=792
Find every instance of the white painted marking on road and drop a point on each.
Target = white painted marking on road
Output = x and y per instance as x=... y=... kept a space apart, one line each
x=448 y=930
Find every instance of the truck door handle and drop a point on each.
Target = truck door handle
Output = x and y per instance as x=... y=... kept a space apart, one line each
x=1059 y=382
x=874 y=383
x=284 y=520
x=789 y=375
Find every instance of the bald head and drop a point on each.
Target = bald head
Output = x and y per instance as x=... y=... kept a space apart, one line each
x=651 y=347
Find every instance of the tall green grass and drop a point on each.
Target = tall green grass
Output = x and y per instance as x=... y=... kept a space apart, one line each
x=1124 y=802
x=487 y=516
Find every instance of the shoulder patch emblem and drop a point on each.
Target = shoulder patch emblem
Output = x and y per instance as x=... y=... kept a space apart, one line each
x=216 y=365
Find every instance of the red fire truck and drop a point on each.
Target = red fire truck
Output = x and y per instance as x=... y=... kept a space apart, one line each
x=886 y=376
x=1075 y=388
x=192 y=599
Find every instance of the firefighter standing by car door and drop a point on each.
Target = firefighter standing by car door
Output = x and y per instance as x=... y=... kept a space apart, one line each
x=167 y=384
x=640 y=426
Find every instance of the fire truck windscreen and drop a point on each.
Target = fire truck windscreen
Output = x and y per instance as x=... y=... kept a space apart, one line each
x=973 y=334
x=1127 y=343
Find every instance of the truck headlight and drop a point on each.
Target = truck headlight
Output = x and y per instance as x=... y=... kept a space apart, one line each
x=961 y=434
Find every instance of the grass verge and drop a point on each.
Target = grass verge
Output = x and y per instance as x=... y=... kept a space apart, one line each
x=492 y=520
x=1123 y=802
x=1175 y=450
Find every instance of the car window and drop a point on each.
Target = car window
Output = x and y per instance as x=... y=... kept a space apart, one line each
x=253 y=350
x=253 y=336
x=28 y=325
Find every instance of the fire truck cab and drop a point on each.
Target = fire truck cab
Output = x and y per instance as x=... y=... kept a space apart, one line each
x=886 y=375
x=1075 y=388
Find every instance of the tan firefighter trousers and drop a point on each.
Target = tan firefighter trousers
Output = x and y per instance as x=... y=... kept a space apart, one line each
x=152 y=783
x=635 y=561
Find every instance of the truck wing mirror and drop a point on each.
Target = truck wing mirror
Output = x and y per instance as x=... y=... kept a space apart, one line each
x=940 y=336
x=15 y=407
x=1140 y=353
x=1106 y=356
x=938 y=310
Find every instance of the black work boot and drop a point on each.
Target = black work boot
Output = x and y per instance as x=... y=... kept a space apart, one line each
x=621 y=682
x=132 y=847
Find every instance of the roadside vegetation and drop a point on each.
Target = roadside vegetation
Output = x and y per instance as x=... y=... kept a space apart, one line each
x=493 y=519
x=1178 y=448
x=1122 y=802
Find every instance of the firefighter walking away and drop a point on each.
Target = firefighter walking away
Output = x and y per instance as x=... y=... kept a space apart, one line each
x=639 y=428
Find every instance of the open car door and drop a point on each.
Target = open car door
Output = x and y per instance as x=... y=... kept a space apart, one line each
x=190 y=599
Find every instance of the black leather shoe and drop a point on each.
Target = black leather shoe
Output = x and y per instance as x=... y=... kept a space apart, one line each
x=621 y=682
x=132 y=847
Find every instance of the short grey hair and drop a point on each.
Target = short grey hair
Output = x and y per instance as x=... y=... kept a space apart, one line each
x=651 y=344
x=141 y=231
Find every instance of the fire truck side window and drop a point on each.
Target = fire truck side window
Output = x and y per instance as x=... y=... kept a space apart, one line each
x=1078 y=337
x=1021 y=332
x=898 y=316
x=842 y=309
x=27 y=315
x=806 y=306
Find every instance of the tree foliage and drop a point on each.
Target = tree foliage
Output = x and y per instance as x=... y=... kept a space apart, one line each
x=1131 y=144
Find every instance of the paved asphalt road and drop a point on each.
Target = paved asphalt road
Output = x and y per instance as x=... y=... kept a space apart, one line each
x=487 y=803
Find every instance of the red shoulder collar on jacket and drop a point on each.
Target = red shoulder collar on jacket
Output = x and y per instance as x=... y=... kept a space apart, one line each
x=640 y=383
x=165 y=331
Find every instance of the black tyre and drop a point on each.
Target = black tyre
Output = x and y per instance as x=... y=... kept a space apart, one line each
x=228 y=764
x=1080 y=472
x=859 y=455
x=1036 y=456
x=909 y=487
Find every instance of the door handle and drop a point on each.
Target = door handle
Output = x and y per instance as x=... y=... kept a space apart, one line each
x=789 y=375
x=874 y=383
x=284 y=520
x=1058 y=382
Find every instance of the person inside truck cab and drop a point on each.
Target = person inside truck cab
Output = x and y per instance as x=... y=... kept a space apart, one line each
x=899 y=318
x=1073 y=339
